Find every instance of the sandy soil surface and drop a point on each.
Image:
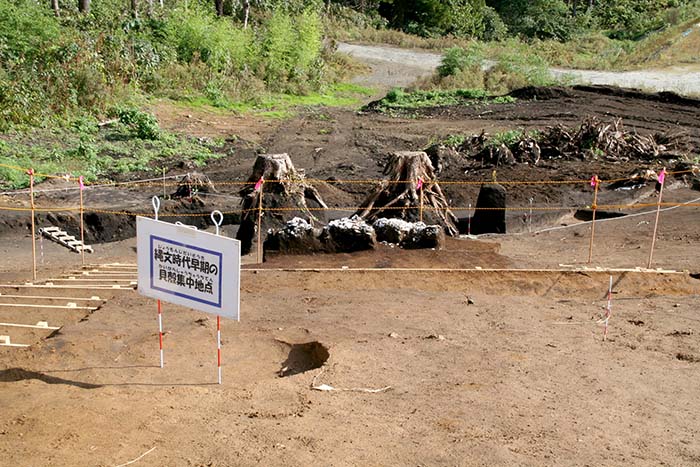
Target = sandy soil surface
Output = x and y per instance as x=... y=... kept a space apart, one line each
x=488 y=352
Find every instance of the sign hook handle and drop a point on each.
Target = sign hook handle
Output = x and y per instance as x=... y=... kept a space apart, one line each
x=217 y=223
x=185 y=225
x=156 y=205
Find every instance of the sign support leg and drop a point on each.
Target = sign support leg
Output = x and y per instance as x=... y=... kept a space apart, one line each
x=160 y=332
x=218 y=345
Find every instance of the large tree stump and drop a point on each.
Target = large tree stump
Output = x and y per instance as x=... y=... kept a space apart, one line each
x=399 y=196
x=285 y=195
x=192 y=184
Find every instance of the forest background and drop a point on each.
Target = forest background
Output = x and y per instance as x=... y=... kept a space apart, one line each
x=67 y=66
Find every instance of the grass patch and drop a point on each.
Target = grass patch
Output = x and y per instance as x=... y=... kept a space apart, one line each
x=281 y=106
x=673 y=46
x=400 y=102
x=508 y=138
x=85 y=149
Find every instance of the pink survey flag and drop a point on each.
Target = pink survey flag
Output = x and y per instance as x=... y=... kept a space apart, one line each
x=662 y=176
x=419 y=185
x=258 y=184
x=80 y=182
x=594 y=180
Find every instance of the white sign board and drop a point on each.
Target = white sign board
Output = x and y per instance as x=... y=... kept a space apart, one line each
x=184 y=266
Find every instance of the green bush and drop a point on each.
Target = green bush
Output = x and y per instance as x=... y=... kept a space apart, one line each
x=515 y=69
x=28 y=31
x=278 y=49
x=142 y=124
x=457 y=59
x=196 y=35
x=495 y=28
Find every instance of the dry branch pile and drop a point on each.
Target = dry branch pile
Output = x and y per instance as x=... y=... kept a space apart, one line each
x=612 y=141
x=593 y=139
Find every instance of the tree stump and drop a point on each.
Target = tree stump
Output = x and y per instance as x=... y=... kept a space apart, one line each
x=192 y=184
x=399 y=196
x=285 y=195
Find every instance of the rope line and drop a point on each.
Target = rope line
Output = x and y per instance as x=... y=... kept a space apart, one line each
x=159 y=181
x=345 y=208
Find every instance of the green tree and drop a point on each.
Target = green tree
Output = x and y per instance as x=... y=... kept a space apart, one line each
x=544 y=19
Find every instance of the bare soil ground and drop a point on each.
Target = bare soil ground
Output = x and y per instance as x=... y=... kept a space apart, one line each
x=483 y=366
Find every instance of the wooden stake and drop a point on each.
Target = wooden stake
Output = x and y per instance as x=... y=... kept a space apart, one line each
x=82 y=225
x=662 y=178
x=608 y=310
x=31 y=200
x=260 y=203
x=421 y=204
x=595 y=181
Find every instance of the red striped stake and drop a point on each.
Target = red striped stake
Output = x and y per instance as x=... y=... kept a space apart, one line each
x=218 y=345
x=608 y=310
x=160 y=332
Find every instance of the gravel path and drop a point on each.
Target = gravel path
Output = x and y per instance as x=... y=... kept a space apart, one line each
x=392 y=67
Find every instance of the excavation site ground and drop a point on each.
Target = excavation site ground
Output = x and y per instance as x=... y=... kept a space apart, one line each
x=489 y=351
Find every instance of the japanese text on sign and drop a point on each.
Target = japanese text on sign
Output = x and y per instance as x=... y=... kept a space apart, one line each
x=175 y=266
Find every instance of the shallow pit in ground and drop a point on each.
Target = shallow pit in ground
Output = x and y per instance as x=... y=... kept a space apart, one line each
x=303 y=357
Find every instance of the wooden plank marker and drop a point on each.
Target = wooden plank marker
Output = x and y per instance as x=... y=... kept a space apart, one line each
x=68 y=306
x=39 y=325
x=6 y=342
x=94 y=298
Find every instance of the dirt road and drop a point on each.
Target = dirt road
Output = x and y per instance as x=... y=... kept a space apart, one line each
x=399 y=67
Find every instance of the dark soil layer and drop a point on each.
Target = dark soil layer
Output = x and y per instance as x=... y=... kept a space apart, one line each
x=337 y=146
